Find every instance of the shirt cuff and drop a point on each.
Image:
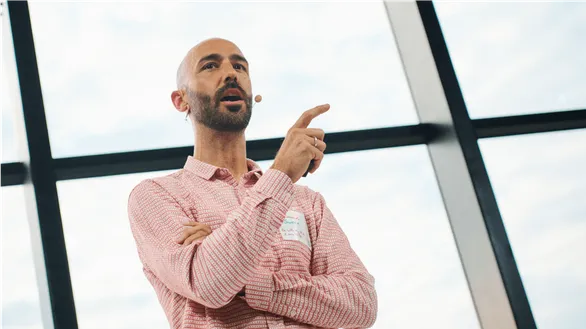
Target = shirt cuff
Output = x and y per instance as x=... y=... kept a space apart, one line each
x=259 y=290
x=277 y=185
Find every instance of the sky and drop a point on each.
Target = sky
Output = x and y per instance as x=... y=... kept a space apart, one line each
x=107 y=71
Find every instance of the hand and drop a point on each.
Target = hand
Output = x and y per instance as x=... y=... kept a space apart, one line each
x=298 y=148
x=194 y=231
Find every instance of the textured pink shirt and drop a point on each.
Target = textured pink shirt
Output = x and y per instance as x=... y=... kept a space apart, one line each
x=287 y=283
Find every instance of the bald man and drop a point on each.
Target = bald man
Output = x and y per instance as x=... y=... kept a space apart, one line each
x=226 y=245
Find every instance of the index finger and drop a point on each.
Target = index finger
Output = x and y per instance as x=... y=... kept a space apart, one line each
x=309 y=115
x=198 y=225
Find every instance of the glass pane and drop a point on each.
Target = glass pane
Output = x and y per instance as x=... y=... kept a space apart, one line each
x=402 y=215
x=540 y=187
x=108 y=69
x=10 y=92
x=20 y=296
x=517 y=57
x=109 y=287
x=389 y=205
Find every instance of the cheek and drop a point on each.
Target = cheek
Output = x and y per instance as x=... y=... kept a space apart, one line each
x=206 y=88
x=245 y=83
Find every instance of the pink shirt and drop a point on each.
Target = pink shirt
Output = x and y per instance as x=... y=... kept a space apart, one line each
x=287 y=283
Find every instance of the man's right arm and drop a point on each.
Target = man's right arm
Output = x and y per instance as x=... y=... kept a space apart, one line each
x=213 y=271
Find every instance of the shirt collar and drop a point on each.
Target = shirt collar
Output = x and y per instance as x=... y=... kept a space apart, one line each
x=207 y=171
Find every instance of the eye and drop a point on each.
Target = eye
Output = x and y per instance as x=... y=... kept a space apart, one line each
x=238 y=66
x=210 y=65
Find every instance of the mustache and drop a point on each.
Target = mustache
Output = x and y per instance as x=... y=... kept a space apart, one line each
x=232 y=84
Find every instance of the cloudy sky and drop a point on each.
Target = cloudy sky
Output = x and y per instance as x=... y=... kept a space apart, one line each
x=107 y=71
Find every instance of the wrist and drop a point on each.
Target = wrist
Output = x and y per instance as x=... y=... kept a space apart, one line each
x=281 y=169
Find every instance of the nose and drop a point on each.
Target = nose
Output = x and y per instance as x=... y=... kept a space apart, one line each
x=229 y=74
x=230 y=77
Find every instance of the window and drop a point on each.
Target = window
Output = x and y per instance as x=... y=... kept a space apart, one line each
x=517 y=57
x=20 y=297
x=397 y=225
x=109 y=287
x=388 y=204
x=540 y=187
x=108 y=69
x=10 y=93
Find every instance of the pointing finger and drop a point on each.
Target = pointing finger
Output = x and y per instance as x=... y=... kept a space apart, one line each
x=305 y=119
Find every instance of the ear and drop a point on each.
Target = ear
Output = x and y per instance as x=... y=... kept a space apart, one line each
x=177 y=97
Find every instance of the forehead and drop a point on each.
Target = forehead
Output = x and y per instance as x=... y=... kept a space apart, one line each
x=215 y=46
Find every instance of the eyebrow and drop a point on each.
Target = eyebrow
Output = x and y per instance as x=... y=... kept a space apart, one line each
x=218 y=58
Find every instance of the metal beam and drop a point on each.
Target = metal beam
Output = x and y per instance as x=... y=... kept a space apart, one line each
x=13 y=173
x=265 y=149
x=48 y=242
x=487 y=259
x=530 y=123
x=174 y=158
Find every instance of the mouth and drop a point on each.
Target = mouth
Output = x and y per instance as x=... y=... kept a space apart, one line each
x=231 y=98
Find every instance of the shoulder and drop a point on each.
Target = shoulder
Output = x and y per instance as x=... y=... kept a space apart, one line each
x=311 y=198
x=302 y=191
x=170 y=183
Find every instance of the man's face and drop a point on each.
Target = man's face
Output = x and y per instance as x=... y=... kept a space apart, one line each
x=220 y=90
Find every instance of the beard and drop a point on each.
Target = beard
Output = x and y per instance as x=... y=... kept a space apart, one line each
x=207 y=111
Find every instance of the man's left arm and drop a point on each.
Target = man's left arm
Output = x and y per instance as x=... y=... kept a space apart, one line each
x=340 y=293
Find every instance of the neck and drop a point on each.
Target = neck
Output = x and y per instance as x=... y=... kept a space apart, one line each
x=221 y=149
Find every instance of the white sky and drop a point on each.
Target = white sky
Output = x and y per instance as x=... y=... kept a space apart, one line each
x=107 y=71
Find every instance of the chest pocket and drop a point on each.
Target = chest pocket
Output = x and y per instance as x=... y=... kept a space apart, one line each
x=293 y=247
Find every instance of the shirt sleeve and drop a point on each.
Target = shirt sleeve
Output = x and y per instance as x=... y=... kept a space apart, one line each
x=340 y=293
x=210 y=272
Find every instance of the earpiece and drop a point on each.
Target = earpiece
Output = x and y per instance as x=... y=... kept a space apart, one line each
x=258 y=98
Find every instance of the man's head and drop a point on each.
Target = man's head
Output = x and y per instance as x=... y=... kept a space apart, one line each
x=214 y=87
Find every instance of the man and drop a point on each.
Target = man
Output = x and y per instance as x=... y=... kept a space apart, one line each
x=227 y=246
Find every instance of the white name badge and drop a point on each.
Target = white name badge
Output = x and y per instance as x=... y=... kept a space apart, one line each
x=294 y=227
